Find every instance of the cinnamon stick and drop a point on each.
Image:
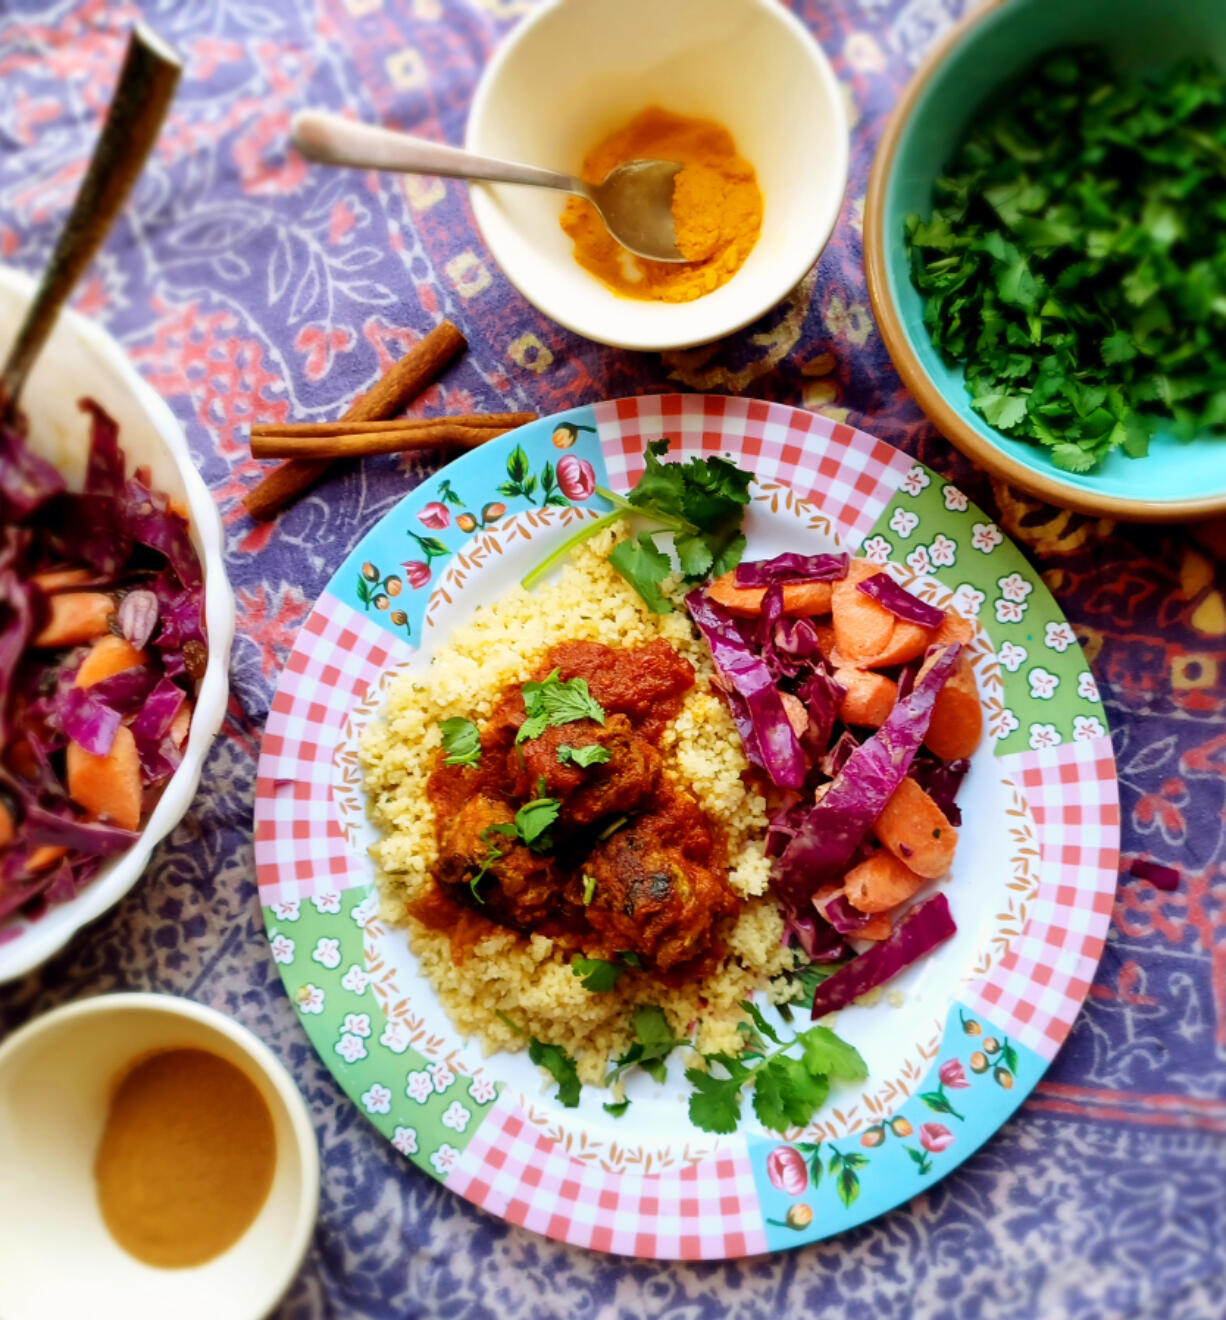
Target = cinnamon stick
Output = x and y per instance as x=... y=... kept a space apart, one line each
x=262 y=430
x=419 y=367
x=360 y=444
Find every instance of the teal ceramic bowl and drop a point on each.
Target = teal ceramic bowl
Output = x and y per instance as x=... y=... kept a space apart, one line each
x=992 y=47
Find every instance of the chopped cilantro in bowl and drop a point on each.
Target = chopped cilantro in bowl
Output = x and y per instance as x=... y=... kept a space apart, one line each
x=1074 y=259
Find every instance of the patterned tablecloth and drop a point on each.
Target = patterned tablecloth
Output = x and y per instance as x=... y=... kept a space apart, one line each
x=247 y=286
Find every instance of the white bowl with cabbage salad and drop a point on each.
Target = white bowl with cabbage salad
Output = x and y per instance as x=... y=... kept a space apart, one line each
x=116 y=621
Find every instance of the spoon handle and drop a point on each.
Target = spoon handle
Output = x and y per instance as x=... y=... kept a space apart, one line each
x=144 y=91
x=332 y=140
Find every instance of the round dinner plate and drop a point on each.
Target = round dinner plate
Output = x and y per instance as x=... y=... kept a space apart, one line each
x=953 y=1045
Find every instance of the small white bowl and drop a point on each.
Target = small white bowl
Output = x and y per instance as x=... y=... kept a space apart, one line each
x=81 y=360
x=577 y=70
x=57 y=1258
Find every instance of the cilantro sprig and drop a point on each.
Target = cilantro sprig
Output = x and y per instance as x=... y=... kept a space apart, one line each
x=461 y=741
x=593 y=754
x=787 y=1089
x=1075 y=259
x=561 y=1067
x=554 y=701
x=702 y=502
x=653 y=1043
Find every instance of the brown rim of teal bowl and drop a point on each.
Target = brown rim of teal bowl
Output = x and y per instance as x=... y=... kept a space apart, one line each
x=930 y=398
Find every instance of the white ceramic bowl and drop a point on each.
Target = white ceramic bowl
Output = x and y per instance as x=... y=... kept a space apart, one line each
x=576 y=70
x=57 y=1258
x=79 y=360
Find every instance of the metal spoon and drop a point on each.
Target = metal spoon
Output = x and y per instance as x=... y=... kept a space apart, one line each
x=144 y=91
x=635 y=200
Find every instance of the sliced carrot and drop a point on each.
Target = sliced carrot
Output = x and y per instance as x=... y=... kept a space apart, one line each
x=8 y=827
x=917 y=831
x=108 y=787
x=77 y=616
x=43 y=857
x=60 y=579
x=880 y=883
x=957 y=716
x=825 y=642
x=862 y=628
x=799 y=598
x=181 y=724
x=954 y=629
x=870 y=697
x=908 y=641
x=794 y=709
x=880 y=927
x=108 y=656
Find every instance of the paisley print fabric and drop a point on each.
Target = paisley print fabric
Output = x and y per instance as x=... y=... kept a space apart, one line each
x=249 y=286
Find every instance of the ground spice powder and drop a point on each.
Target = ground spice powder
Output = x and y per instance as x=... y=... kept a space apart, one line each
x=186 y=1158
x=717 y=208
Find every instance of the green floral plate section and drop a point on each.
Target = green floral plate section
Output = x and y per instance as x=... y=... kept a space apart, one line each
x=427 y=1109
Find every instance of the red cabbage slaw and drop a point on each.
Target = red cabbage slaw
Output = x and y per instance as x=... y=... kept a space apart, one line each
x=831 y=783
x=118 y=539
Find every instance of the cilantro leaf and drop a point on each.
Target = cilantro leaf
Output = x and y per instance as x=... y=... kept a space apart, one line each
x=561 y=1067
x=831 y=1055
x=593 y=754
x=596 y=974
x=644 y=567
x=786 y=1093
x=461 y=741
x=616 y=1107
x=1002 y=410
x=533 y=819
x=553 y=702
x=653 y=1043
x=493 y=853
x=701 y=501
x=715 y=1105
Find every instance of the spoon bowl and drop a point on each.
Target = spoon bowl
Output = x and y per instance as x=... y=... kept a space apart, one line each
x=635 y=200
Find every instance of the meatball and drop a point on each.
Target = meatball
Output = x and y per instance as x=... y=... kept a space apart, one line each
x=519 y=888
x=587 y=793
x=651 y=899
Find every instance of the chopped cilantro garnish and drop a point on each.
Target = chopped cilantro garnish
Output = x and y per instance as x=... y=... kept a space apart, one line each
x=493 y=854
x=561 y=1067
x=461 y=741
x=787 y=1090
x=1075 y=259
x=702 y=502
x=597 y=974
x=616 y=1107
x=589 y=889
x=653 y=1043
x=554 y=702
x=593 y=754
x=533 y=819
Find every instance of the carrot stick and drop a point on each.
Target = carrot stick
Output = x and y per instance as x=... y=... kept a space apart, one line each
x=108 y=656
x=917 y=831
x=870 y=697
x=862 y=628
x=75 y=617
x=799 y=598
x=419 y=367
x=108 y=787
x=957 y=717
x=880 y=883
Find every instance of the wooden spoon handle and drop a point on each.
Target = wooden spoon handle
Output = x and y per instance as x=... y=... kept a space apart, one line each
x=146 y=86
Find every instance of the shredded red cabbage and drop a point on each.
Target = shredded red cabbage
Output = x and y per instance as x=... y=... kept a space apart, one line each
x=1161 y=877
x=900 y=602
x=778 y=749
x=792 y=568
x=841 y=915
x=822 y=696
x=819 y=940
x=848 y=810
x=836 y=758
x=136 y=548
x=918 y=932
